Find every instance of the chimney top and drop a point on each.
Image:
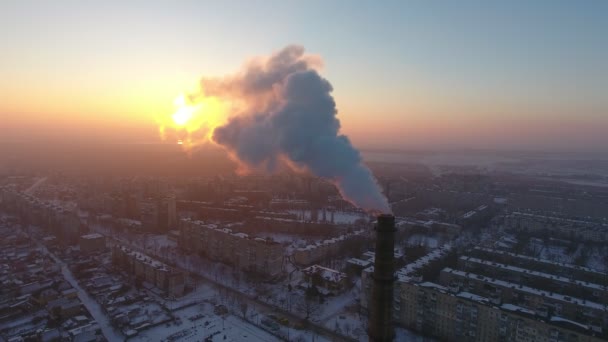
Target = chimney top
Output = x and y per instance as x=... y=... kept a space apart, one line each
x=386 y=223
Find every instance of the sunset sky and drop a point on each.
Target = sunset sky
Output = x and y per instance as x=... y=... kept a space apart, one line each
x=406 y=74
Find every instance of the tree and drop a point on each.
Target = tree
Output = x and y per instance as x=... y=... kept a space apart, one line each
x=244 y=306
x=138 y=282
x=56 y=313
x=347 y=328
x=308 y=305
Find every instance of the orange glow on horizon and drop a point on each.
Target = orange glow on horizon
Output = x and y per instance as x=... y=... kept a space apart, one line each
x=192 y=124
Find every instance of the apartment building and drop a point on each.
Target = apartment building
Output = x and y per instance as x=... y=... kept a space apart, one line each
x=60 y=219
x=410 y=272
x=435 y=310
x=498 y=303
x=325 y=249
x=92 y=242
x=547 y=281
x=164 y=277
x=256 y=255
x=543 y=303
x=549 y=266
x=539 y=222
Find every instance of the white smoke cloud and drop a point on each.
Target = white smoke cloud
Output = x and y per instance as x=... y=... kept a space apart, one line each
x=286 y=114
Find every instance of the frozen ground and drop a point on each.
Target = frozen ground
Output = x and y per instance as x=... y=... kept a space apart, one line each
x=335 y=305
x=596 y=256
x=349 y=323
x=551 y=252
x=199 y=322
x=598 y=259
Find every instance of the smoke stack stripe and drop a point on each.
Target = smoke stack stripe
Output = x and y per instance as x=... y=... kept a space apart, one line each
x=381 y=317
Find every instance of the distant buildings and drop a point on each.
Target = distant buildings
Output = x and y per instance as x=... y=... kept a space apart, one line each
x=579 y=273
x=159 y=215
x=92 y=243
x=327 y=248
x=57 y=218
x=565 y=227
x=551 y=282
x=270 y=224
x=166 y=214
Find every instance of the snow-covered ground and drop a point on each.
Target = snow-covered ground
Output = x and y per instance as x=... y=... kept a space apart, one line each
x=335 y=305
x=349 y=323
x=556 y=253
x=596 y=256
x=597 y=259
x=199 y=322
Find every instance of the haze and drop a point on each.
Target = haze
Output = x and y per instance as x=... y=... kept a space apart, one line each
x=407 y=75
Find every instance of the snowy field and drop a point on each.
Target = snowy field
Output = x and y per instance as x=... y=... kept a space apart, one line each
x=598 y=259
x=199 y=322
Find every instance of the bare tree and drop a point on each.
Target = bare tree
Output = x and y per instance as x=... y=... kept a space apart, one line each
x=244 y=306
x=347 y=328
x=308 y=305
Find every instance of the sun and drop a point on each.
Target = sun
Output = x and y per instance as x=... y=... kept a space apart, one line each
x=185 y=112
x=194 y=120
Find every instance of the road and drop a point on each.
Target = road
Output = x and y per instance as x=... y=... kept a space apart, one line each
x=34 y=186
x=94 y=308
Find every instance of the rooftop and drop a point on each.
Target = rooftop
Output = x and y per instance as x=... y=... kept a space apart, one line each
x=92 y=236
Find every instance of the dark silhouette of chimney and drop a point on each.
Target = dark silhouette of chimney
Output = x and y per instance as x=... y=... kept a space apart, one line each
x=381 y=315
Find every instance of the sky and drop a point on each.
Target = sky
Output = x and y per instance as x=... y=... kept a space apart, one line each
x=406 y=74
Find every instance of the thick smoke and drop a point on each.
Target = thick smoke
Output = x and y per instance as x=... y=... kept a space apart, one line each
x=287 y=115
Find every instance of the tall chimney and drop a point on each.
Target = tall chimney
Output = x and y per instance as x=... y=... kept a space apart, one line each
x=381 y=316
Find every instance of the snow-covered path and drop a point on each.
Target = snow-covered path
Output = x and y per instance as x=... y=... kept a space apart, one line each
x=36 y=184
x=94 y=308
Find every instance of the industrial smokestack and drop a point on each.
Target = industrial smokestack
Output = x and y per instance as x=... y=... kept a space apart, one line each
x=381 y=316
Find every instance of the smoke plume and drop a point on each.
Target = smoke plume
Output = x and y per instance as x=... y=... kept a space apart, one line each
x=284 y=113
